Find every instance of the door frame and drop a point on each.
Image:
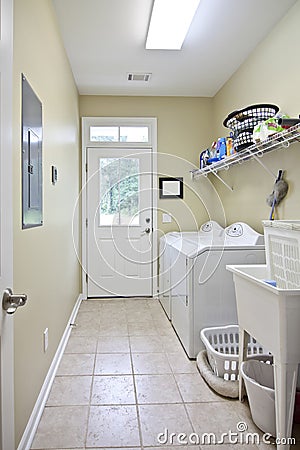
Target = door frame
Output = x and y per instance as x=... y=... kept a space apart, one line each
x=87 y=122
x=7 y=431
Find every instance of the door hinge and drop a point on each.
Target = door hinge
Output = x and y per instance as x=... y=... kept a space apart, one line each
x=86 y=167
x=86 y=222
x=186 y=301
x=86 y=277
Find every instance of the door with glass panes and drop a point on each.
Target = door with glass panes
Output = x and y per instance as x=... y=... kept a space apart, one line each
x=119 y=222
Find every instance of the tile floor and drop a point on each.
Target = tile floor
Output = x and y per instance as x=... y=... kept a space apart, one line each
x=124 y=379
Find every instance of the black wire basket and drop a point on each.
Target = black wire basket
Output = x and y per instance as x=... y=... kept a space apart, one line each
x=248 y=124
x=243 y=140
x=251 y=115
x=243 y=121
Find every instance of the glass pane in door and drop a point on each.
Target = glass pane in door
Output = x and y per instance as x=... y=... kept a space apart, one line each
x=119 y=191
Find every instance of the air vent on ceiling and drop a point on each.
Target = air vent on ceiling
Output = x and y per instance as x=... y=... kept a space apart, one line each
x=138 y=76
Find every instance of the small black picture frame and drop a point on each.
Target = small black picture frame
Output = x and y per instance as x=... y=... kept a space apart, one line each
x=170 y=187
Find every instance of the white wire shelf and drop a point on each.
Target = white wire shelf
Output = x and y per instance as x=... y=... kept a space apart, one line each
x=255 y=151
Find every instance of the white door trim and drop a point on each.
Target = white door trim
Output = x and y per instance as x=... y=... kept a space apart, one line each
x=7 y=431
x=151 y=122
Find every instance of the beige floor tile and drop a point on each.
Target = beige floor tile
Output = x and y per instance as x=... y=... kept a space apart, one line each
x=113 y=344
x=87 y=324
x=157 y=389
x=156 y=419
x=150 y=363
x=162 y=322
x=113 y=426
x=112 y=317
x=90 y=305
x=146 y=344
x=136 y=304
x=70 y=391
x=154 y=303
x=214 y=417
x=112 y=328
x=142 y=329
x=180 y=363
x=113 y=364
x=171 y=344
x=62 y=427
x=113 y=390
x=163 y=330
x=81 y=344
x=112 y=306
x=138 y=316
x=114 y=301
x=86 y=318
x=194 y=389
x=157 y=311
x=76 y=364
x=164 y=378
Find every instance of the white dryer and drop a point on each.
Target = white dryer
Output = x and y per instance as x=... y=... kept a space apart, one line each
x=202 y=291
x=211 y=230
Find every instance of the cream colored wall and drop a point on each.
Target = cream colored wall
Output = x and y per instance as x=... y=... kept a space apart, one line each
x=45 y=264
x=270 y=74
x=183 y=129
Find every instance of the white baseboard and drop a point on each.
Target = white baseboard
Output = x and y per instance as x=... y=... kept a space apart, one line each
x=37 y=411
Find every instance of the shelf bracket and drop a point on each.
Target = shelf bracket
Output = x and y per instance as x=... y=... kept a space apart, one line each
x=222 y=181
x=258 y=159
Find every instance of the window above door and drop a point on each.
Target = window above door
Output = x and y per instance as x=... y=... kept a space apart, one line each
x=119 y=134
x=116 y=132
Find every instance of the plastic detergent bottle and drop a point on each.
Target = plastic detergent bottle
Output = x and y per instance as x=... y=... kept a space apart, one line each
x=229 y=146
x=221 y=147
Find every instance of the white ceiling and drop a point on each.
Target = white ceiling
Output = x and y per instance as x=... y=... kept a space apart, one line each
x=105 y=39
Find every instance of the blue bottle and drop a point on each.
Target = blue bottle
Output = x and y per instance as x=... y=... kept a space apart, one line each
x=221 y=148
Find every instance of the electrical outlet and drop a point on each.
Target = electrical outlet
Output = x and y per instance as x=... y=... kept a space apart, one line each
x=46 y=339
x=166 y=218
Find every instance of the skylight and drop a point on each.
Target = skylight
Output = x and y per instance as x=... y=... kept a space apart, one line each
x=169 y=24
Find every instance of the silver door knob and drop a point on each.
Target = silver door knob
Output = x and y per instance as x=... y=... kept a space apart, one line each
x=146 y=231
x=10 y=301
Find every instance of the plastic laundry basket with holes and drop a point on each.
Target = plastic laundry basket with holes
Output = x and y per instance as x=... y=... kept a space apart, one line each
x=282 y=239
x=222 y=346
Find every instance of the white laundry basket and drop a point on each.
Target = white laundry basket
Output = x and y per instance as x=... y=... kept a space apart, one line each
x=222 y=346
x=282 y=240
x=259 y=382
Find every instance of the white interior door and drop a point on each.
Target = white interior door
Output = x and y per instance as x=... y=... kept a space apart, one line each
x=120 y=222
x=6 y=323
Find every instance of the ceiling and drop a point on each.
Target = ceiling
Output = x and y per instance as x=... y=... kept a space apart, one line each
x=105 y=40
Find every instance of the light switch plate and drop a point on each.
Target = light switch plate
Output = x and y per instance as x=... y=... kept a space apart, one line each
x=166 y=218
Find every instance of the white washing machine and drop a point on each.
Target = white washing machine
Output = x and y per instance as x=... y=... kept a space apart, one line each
x=202 y=290
x=211 y=230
